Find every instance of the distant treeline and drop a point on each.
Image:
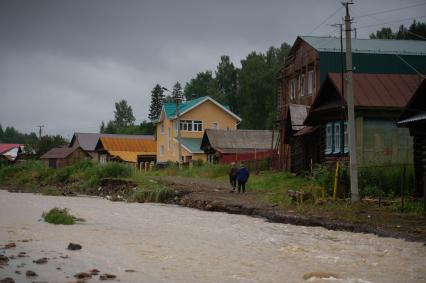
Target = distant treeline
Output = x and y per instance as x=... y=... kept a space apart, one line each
x=33 y=144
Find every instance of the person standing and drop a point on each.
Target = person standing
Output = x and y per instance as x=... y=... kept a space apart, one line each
x=233 y=176
x=242 y=178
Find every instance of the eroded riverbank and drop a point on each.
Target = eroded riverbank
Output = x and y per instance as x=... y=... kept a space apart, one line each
x=165 y=243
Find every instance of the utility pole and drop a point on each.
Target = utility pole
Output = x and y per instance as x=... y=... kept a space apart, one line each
x=179 y=138
x=40 y=129
x=351 y=112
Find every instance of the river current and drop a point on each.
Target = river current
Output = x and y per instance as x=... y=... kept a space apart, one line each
x=167 y=243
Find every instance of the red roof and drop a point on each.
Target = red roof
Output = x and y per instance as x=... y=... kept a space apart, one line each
x=4 y=147
x=379 y=90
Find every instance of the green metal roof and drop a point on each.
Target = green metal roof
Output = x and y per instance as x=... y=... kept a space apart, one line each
x=170 y=107
x=375 y=46
x=192 y=144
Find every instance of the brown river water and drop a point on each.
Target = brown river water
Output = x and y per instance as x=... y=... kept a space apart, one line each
x=167 y=243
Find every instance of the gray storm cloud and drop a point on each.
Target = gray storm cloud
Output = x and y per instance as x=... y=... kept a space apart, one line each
x=65 y=63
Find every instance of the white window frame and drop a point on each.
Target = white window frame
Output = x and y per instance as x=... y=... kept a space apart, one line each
x=161 y=150
x=191 y=125
x=302 y=85
x=337 y=136
x=311 y=82
x=345 y=137
x=328 y=138
x=292 y=89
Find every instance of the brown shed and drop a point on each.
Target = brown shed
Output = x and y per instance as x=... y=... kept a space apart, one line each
x=64 y=156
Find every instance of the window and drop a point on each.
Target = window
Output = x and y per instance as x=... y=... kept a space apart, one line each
x=337 y=137
x=191 y=126
x=329 y=138
x=215 y=125
x=102 y=158
x=168 y=138
x=345 y=137
x=311 y=83
x=302 y=85
x=162 y=128
x=162 y=150
x=292 y=89
x=198 y=126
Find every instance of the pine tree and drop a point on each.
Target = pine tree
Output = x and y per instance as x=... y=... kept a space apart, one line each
x=177 y=93
x=157 y=99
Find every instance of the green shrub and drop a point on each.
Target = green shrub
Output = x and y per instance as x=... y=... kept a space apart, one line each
x=60 y=216
x=114 y=170
x=160 y=194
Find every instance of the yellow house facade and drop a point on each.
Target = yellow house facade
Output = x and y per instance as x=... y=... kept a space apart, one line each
x=195 y=116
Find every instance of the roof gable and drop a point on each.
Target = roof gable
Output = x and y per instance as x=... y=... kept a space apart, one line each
x=416 y=107
x=170 y=107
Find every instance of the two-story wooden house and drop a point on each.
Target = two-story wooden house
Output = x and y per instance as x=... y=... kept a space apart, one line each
x=195 y=116
x=307 y=66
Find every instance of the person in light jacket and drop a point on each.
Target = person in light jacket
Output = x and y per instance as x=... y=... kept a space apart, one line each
x=242 y=178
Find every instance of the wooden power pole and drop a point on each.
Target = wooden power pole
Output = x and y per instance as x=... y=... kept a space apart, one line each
x=351 y=112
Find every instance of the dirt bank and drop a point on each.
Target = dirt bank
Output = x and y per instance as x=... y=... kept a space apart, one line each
x=362 y=217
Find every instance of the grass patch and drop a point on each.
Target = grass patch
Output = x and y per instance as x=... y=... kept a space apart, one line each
x=60 y=216
x=150 y=190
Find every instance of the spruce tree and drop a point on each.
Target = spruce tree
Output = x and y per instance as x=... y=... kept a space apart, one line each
x=177 y=93
x=157 y=98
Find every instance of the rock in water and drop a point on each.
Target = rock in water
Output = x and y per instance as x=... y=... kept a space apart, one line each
x=41 y=260
x=320 y=275
x=74 y=247
x=7 y=280
x=9 y=246
x=30 y=273
x=107 y=276
x=94 y=271
x=82 y=275
x=3 y=260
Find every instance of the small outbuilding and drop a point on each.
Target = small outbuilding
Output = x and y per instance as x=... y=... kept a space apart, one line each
x=64 y=156
x=414 y=118
x=223 y=146
x=130 y=150
x=10 y=151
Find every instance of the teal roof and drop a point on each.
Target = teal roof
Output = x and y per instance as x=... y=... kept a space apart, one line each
x=170 y=107
x=192 y=144
x=376 y=46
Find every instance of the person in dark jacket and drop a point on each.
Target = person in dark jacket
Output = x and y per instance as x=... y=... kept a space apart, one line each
x=242 y=178
x=233 y=176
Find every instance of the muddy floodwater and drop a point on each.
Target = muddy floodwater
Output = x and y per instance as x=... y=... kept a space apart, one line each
x=166 y=243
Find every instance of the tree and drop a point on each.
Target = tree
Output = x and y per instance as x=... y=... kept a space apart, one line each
x=123 y=114
x=177 y=93
x=202 y=85
x=416 y=31
x=157 y=99
x=226 y=78
x=44 y=144
x=1 y=132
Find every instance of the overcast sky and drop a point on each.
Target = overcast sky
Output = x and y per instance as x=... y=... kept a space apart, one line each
x=63 y=64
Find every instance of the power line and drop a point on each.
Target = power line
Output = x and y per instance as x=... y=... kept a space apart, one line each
x=391 y=10
x=386 y=23
x=326 y=19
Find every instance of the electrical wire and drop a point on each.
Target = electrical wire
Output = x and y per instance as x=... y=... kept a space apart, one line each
x=326 y=19
x=391 y=10
x=386 y=23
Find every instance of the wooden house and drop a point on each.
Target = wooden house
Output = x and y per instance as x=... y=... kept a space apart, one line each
x=63 y=156
x=223 y=146
x=414 y=118
x=378 y=101
x=88 y=141
x=129 y=150
x=195 y=116
x=310 y=60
